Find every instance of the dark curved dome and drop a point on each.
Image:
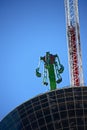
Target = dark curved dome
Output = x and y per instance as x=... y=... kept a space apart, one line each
x=64 y=109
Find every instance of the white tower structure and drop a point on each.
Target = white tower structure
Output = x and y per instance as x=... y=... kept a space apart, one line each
x=74 y=47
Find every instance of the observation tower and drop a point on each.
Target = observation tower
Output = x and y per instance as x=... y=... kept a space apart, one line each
x=57 y=109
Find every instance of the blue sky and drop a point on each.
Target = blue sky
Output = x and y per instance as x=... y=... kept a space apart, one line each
x=29 y=28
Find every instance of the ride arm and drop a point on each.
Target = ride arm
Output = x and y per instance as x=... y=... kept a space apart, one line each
x=38 y=74
x=59 y=65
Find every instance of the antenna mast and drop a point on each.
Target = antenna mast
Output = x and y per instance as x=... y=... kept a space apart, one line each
x=74 y=47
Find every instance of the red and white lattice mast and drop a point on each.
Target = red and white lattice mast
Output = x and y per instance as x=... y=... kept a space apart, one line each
x=74 y=47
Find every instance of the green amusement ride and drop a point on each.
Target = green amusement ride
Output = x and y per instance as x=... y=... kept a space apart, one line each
x=52 y=69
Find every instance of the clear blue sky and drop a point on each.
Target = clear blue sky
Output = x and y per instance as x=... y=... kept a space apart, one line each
x=29 y=28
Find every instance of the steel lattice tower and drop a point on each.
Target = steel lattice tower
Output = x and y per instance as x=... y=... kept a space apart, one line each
x=74 y=47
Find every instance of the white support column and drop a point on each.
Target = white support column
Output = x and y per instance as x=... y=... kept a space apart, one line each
x=74 y=47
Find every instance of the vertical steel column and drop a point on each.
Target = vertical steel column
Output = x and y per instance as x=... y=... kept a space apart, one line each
x=74 y=47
